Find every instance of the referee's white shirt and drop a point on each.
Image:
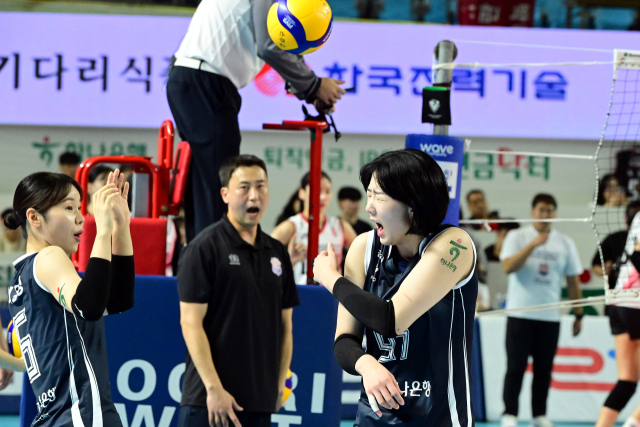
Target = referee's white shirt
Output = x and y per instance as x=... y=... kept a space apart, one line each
x=542 y=276
x=221 y=34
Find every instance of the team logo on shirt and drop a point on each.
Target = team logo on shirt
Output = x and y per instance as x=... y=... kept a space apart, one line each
x=544 y=269
x=276 y=266
x=234 y=259
x=16 y=291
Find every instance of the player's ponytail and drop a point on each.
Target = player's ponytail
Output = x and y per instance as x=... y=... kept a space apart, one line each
x=40 y=191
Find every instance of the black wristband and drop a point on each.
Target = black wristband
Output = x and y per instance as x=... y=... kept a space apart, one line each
x=123 y=278
x=347 y=351
x=92 y=292
x=311 y=94
x=579 y=316
x=372 y=311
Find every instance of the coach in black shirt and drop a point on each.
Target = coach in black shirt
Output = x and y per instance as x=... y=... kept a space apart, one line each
x=237 y=295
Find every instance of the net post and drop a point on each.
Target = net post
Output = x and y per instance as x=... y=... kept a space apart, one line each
x=444 y=52
x=315 y=176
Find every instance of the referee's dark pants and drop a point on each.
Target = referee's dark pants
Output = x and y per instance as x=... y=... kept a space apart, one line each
x=205 y=107
x=539 y=339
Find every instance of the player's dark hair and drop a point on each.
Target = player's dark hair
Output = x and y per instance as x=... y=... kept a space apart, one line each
x=69 y=158
x=474 y=191
x=544 y=198
x=350 y=193
x=289 y=209
x=97 y=171
x=40 y=191
x=307 y=178
x=232 y=163
x=412 y=177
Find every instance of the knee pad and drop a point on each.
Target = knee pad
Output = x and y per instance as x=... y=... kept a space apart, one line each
x=620 y=395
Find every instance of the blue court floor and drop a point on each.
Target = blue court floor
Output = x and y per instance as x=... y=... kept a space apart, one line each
x=13 y=421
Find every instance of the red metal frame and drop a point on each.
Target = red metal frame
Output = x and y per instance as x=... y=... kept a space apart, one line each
x=315 y=173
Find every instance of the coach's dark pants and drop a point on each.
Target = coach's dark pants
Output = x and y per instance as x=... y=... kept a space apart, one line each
x=205 y=107
x=536 y=338
x=196 y=416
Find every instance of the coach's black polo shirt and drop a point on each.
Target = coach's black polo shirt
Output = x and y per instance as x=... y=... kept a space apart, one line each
x=246 y=287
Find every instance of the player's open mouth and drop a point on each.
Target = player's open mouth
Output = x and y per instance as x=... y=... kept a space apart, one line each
x=77 y=236
x=254 y=210
x=380 y=229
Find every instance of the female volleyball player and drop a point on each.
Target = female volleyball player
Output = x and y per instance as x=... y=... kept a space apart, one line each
x=411 y=285
x=295 y=231
x=624 y=319
x=58 y=315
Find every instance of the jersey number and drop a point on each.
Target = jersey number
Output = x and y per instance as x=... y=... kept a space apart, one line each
x=26 y=346
x=389 y=345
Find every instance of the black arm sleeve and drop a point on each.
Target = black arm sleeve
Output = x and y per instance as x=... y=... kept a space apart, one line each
x=347 y=351
x=92 y=293
x=123 y=279
x=372 y=311
x=635 y=259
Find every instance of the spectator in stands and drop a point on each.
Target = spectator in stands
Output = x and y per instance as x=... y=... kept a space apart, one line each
x=97 y=179
x=369 y=9
x=537 y=258
x=237 y=296
x=295 y=231
x=293 y=207
x=223 y=50
x=492 y=252
x=610 y=193
x=349 y=200
x=11 y=240
x=68 y=163
x=479 y=209
x=613 y=248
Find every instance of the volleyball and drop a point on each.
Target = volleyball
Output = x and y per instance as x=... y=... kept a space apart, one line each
x=12 y=341
x=300 y=26
x=288 y=386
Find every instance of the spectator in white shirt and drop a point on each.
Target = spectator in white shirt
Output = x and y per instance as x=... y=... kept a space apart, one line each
x=537 y=260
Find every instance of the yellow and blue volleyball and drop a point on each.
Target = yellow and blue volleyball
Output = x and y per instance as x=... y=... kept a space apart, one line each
x=300 y=26
x=12 y=341
x=288 y=386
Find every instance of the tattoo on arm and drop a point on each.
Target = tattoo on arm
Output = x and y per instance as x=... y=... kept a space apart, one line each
x=455 y=249
x=61 y=298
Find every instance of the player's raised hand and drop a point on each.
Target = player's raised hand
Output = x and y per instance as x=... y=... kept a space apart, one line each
x=101 y=201
x=221 y=407
x=379 y=384
x=325 y=268
x=119 y=205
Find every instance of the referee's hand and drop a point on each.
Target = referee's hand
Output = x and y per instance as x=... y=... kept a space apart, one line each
x=221 y=405
x=330 y=91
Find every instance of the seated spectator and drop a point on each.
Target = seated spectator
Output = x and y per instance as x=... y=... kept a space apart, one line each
x=349 y=200
x=293 y=206
x=610 y=193
x=97 y=179
x=477 y=205
x=613 y=248
x=294 y=232
x=68 y=163
x=492 y=252
x=11 y=240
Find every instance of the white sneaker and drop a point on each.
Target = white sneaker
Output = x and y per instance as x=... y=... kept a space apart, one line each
x=508 y=421
x=542 y=421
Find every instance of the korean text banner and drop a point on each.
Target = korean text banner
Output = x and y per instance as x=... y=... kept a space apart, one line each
x=94 y=70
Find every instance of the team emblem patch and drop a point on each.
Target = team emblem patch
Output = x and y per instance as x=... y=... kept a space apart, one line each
x=276 y=266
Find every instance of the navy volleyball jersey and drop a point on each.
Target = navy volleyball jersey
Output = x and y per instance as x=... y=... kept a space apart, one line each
x=430 y=360
x=65 y=355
